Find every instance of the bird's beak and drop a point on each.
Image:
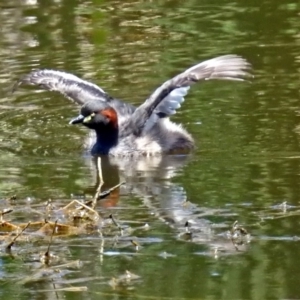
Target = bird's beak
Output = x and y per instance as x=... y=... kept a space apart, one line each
x=77 y=120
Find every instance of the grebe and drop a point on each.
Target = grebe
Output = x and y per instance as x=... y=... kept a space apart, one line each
x=124 y=130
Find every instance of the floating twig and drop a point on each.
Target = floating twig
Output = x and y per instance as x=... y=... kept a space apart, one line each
x=47 y=256
x=8 y=247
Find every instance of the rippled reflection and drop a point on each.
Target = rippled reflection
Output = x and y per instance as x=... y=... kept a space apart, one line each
x=247 y=159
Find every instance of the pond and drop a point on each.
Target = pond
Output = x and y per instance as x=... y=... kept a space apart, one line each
x=169 y=231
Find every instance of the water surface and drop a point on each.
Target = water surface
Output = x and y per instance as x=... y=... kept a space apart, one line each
x=245 y=166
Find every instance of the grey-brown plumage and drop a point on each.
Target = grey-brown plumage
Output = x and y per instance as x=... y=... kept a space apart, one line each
x=67 y=84
x=227 y=67
x=122 y=129
x=72 y=87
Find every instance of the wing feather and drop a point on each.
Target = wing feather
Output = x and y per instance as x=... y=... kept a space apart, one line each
x=164 y=101
x=67 y=84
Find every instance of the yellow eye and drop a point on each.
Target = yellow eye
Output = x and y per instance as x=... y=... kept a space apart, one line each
x=89 y=118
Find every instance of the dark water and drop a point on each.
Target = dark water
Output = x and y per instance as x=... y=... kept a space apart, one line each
x=245 y=166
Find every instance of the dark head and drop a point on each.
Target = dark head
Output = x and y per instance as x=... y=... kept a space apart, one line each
x=98 y=116
x=101 y=117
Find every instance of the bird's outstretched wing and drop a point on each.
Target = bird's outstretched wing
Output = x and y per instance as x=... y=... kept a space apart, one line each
x=167 y=98
x=67 y=84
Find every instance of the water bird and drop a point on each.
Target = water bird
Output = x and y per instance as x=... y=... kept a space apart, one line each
x=121 y=129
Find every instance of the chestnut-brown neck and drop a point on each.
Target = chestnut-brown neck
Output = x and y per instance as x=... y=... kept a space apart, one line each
x=107 y=135
x=111 y=114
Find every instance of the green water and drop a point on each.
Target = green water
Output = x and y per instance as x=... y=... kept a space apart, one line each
x=246 y=163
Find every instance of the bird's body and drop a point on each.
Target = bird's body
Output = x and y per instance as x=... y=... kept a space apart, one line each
x=124 y=130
